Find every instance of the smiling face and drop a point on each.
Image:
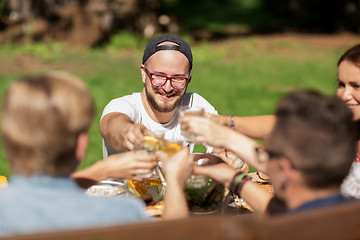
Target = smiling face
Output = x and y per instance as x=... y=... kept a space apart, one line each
x=171 y=63
x=349 y=86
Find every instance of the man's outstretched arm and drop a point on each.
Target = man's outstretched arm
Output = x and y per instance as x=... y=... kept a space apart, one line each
x=120 y=132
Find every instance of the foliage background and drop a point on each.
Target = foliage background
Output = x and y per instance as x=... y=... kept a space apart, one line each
x=247 y=55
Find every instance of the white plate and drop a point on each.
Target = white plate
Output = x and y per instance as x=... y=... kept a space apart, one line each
x=105 y=190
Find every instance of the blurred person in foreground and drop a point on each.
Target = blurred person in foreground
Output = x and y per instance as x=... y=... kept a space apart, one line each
x=166 y=71
x=307 y=155
x=44 y=124
x=348 y=89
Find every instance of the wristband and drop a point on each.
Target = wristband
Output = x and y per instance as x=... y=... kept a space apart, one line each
x=234 y=184
x=226 y=155
x=232 y=125
x=241 y=184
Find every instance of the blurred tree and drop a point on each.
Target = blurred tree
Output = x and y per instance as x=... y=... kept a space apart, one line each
x=93 y=22
x=315 y=16
x=86 y=22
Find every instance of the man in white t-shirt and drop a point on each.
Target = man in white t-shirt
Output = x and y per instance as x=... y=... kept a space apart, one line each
x=166 y=72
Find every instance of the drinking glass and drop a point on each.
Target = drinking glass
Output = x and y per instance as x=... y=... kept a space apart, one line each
x=150 y=144
x=171 y=147
x=190 y=110
x=151 y=188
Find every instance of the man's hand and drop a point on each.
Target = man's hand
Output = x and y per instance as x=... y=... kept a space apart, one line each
x=120 y=132
x=134 y=136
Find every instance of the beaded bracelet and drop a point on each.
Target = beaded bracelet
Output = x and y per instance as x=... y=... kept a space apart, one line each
x=243 y=181
x=232 y=125
x=234 y=184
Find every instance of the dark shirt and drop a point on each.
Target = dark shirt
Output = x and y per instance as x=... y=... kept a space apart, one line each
x=278 y=206
x=322 y=202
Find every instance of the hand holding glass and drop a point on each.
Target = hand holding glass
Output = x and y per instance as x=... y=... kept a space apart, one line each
x=187 y=110
x=149 y=146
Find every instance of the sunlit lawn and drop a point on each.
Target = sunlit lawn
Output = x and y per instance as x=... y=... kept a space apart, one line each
x=240 y=76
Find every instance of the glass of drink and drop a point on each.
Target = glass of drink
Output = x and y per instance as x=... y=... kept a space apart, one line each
x=151 y=188
x=150 y=144
x=171 y=147
x=190 y=110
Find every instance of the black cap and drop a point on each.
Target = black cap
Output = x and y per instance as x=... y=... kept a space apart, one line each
x=153 y=47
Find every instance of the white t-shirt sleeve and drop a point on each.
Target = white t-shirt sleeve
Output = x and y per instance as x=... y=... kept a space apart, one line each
x=127 y=105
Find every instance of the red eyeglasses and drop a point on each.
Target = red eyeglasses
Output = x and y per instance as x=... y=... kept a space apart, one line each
x=159 y=80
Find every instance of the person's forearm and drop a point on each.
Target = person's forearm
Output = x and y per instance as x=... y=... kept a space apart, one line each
x=245 y=147
x=256 y=196
x=256 y=127
x=240 y=144
x=175 y=202
x=113 y=127
x=90 y=175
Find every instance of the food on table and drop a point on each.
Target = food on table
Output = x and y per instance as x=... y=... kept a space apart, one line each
x=99 y=190
x=156 y=209
x=3 y=181
x=109 y=187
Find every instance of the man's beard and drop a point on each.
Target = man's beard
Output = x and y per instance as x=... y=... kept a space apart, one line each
x=158 y=108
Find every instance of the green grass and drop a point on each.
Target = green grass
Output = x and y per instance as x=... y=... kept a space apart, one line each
x=239 y=76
